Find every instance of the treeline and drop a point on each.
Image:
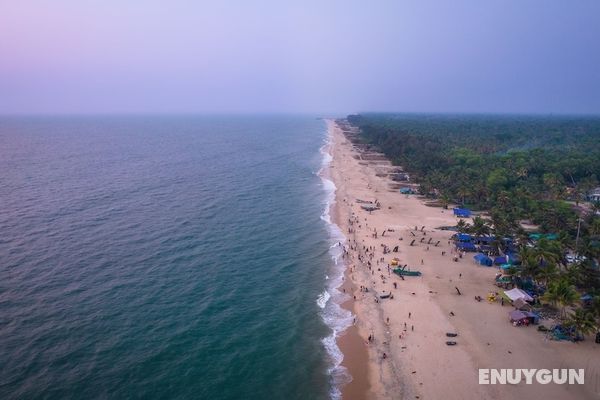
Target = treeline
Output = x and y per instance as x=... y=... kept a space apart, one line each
x=518 y=167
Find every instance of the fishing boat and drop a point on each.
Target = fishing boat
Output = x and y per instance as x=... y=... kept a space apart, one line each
x=404 y=272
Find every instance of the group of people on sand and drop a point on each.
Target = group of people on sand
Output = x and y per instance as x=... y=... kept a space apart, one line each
x=369 y=258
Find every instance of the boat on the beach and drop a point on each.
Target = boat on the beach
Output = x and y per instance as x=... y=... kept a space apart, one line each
x=404 y=272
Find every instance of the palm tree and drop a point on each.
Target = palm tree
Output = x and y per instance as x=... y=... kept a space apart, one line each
x=547 y=251
x=463 y=192
x=444 y=201
x=546 y=273
x=560 y=294
x=583 y=322
x=530 y=266
x=480 y=226
x=462 y=226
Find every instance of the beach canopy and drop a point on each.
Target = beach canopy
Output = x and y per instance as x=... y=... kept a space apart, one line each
x=517 y=315
x=466 y=246
x=517 y=293
x=535 y=317
x=538 y=236
x=482 y=259
x=462 y=212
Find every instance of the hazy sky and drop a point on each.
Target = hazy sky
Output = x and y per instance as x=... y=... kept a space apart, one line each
x=61 y=56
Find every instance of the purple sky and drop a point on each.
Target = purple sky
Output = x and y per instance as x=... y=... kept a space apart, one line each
x=84 y=56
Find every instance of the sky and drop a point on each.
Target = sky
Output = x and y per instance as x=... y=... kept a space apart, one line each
x=272 y=56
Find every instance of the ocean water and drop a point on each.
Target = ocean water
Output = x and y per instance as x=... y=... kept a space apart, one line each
x=167 y=257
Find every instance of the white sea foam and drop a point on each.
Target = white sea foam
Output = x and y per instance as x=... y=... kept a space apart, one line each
x=330 y=300
x=323 y=298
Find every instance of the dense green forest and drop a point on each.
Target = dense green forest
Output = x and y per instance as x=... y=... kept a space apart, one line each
x=536 y=168
x=523 y=165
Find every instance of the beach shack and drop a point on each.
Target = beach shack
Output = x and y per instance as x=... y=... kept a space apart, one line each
x=462 y=212
x=482 y=259
x=517 y=293
x=504 y=281
x=518 y=318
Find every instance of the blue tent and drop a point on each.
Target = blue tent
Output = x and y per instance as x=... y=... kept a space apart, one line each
x=482 y=259
x=462 y=212
x=485 y=239
x=500 y=260
x=406 y=190
x=463 y=237
x=466 y=246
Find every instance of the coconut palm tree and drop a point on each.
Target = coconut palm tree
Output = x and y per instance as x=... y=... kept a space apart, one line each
x=583 y=321
x=547 y=251
x=560 y=294
x=480 y=226
x=546 y=273
x=529 y=264
x=462 y=226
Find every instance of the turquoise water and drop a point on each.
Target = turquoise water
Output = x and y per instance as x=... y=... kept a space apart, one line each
x=164 y=257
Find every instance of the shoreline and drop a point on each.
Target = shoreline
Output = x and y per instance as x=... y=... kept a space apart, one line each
x=408 y=356
x=344 y=371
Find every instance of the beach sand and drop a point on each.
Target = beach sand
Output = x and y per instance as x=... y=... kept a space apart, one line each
x=419 y=364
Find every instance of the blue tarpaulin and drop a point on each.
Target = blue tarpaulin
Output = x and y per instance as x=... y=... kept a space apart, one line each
x=463 y=237
x=482 y=259
x=466 y=246
x=500 y=260
x=462 y=212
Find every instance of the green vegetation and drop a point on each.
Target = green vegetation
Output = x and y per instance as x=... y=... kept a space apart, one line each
x=515 y=168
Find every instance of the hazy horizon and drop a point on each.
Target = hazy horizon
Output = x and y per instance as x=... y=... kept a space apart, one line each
x=468 y=57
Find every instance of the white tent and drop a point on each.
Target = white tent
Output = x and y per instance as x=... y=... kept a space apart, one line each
x=516 y=293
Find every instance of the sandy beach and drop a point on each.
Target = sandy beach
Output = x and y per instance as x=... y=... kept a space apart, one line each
x=408 y=357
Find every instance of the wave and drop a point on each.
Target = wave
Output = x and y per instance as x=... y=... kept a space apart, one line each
x=335 y=317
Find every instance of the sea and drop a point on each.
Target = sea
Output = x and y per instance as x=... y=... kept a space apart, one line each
x=168 y=257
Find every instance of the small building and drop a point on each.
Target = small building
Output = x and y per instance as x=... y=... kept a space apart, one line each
x=594 y=195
